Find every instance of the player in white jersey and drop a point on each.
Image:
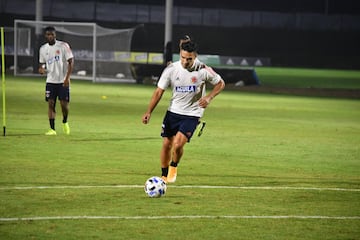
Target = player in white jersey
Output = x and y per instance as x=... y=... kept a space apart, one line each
x=187 y=78
x=56 y=59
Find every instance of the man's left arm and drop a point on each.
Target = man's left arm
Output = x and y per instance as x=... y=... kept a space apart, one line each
x=70 y=68
x=205 y=101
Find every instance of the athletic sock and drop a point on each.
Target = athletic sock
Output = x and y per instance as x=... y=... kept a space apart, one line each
x=164 y=171
x=65 y=119
x=52 y=123
x=173 y=164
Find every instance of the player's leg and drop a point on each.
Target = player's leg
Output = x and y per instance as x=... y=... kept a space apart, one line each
x=65 y=112
x=64 y=97
x=51 y=116
x=178 y=147
x=51 y=110
x=186 y=130
x=200 y=128
x=168 y=131
x=165 y=156
x=50 y=97
x=177 y=151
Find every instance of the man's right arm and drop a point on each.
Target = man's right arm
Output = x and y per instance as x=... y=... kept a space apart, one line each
x=153 y=103
x=42 y=64
x=42 y=68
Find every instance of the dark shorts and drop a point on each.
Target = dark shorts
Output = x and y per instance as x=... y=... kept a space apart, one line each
x=54 y=90
x=174 y=123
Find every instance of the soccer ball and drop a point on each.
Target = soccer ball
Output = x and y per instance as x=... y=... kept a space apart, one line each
x=155 y=187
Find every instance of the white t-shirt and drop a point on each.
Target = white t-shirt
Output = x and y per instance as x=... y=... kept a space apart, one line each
x=187 y=86
x=55 y=56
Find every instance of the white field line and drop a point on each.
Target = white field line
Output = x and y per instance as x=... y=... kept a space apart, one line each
x=179 y=217
x=187 y=186
x=174 y=217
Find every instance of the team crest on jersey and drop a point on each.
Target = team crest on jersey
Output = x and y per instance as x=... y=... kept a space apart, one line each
x=193 y=79
x=57 y=52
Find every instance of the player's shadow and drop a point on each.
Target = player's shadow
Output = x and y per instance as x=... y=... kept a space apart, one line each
x=114 y=139
x=22 y=134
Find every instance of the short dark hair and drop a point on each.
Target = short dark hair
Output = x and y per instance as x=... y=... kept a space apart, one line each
x=185 y=38
x=189 y=46
x=49 y=29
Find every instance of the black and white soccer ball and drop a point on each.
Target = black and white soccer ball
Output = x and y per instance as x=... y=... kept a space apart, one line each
x=155 y=187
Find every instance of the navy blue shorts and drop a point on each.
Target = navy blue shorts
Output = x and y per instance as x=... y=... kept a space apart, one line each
x=55 y=90
x=174 y=123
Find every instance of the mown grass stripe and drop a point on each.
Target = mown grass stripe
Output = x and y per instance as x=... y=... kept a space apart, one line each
x=174 y=217
x=187 y=186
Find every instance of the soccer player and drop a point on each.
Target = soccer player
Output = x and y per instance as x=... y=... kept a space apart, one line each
x=57 y=60
x=187 y=78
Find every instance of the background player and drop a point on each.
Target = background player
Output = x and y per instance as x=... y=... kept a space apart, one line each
x=56 y=59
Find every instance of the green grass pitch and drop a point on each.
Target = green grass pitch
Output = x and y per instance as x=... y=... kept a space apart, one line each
x=266 y=167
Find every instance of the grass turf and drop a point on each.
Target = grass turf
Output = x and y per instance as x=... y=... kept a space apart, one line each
x=309 y=78
x=251 y=140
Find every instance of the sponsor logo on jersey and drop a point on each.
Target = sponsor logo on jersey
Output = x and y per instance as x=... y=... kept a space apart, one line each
x=185 y=89
x=54 y=59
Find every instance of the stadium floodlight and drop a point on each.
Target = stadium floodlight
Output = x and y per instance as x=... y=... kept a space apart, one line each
x=100 y=53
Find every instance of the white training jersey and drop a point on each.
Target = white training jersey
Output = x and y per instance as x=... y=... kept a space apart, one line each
x=55 y=57
x=187 y=86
